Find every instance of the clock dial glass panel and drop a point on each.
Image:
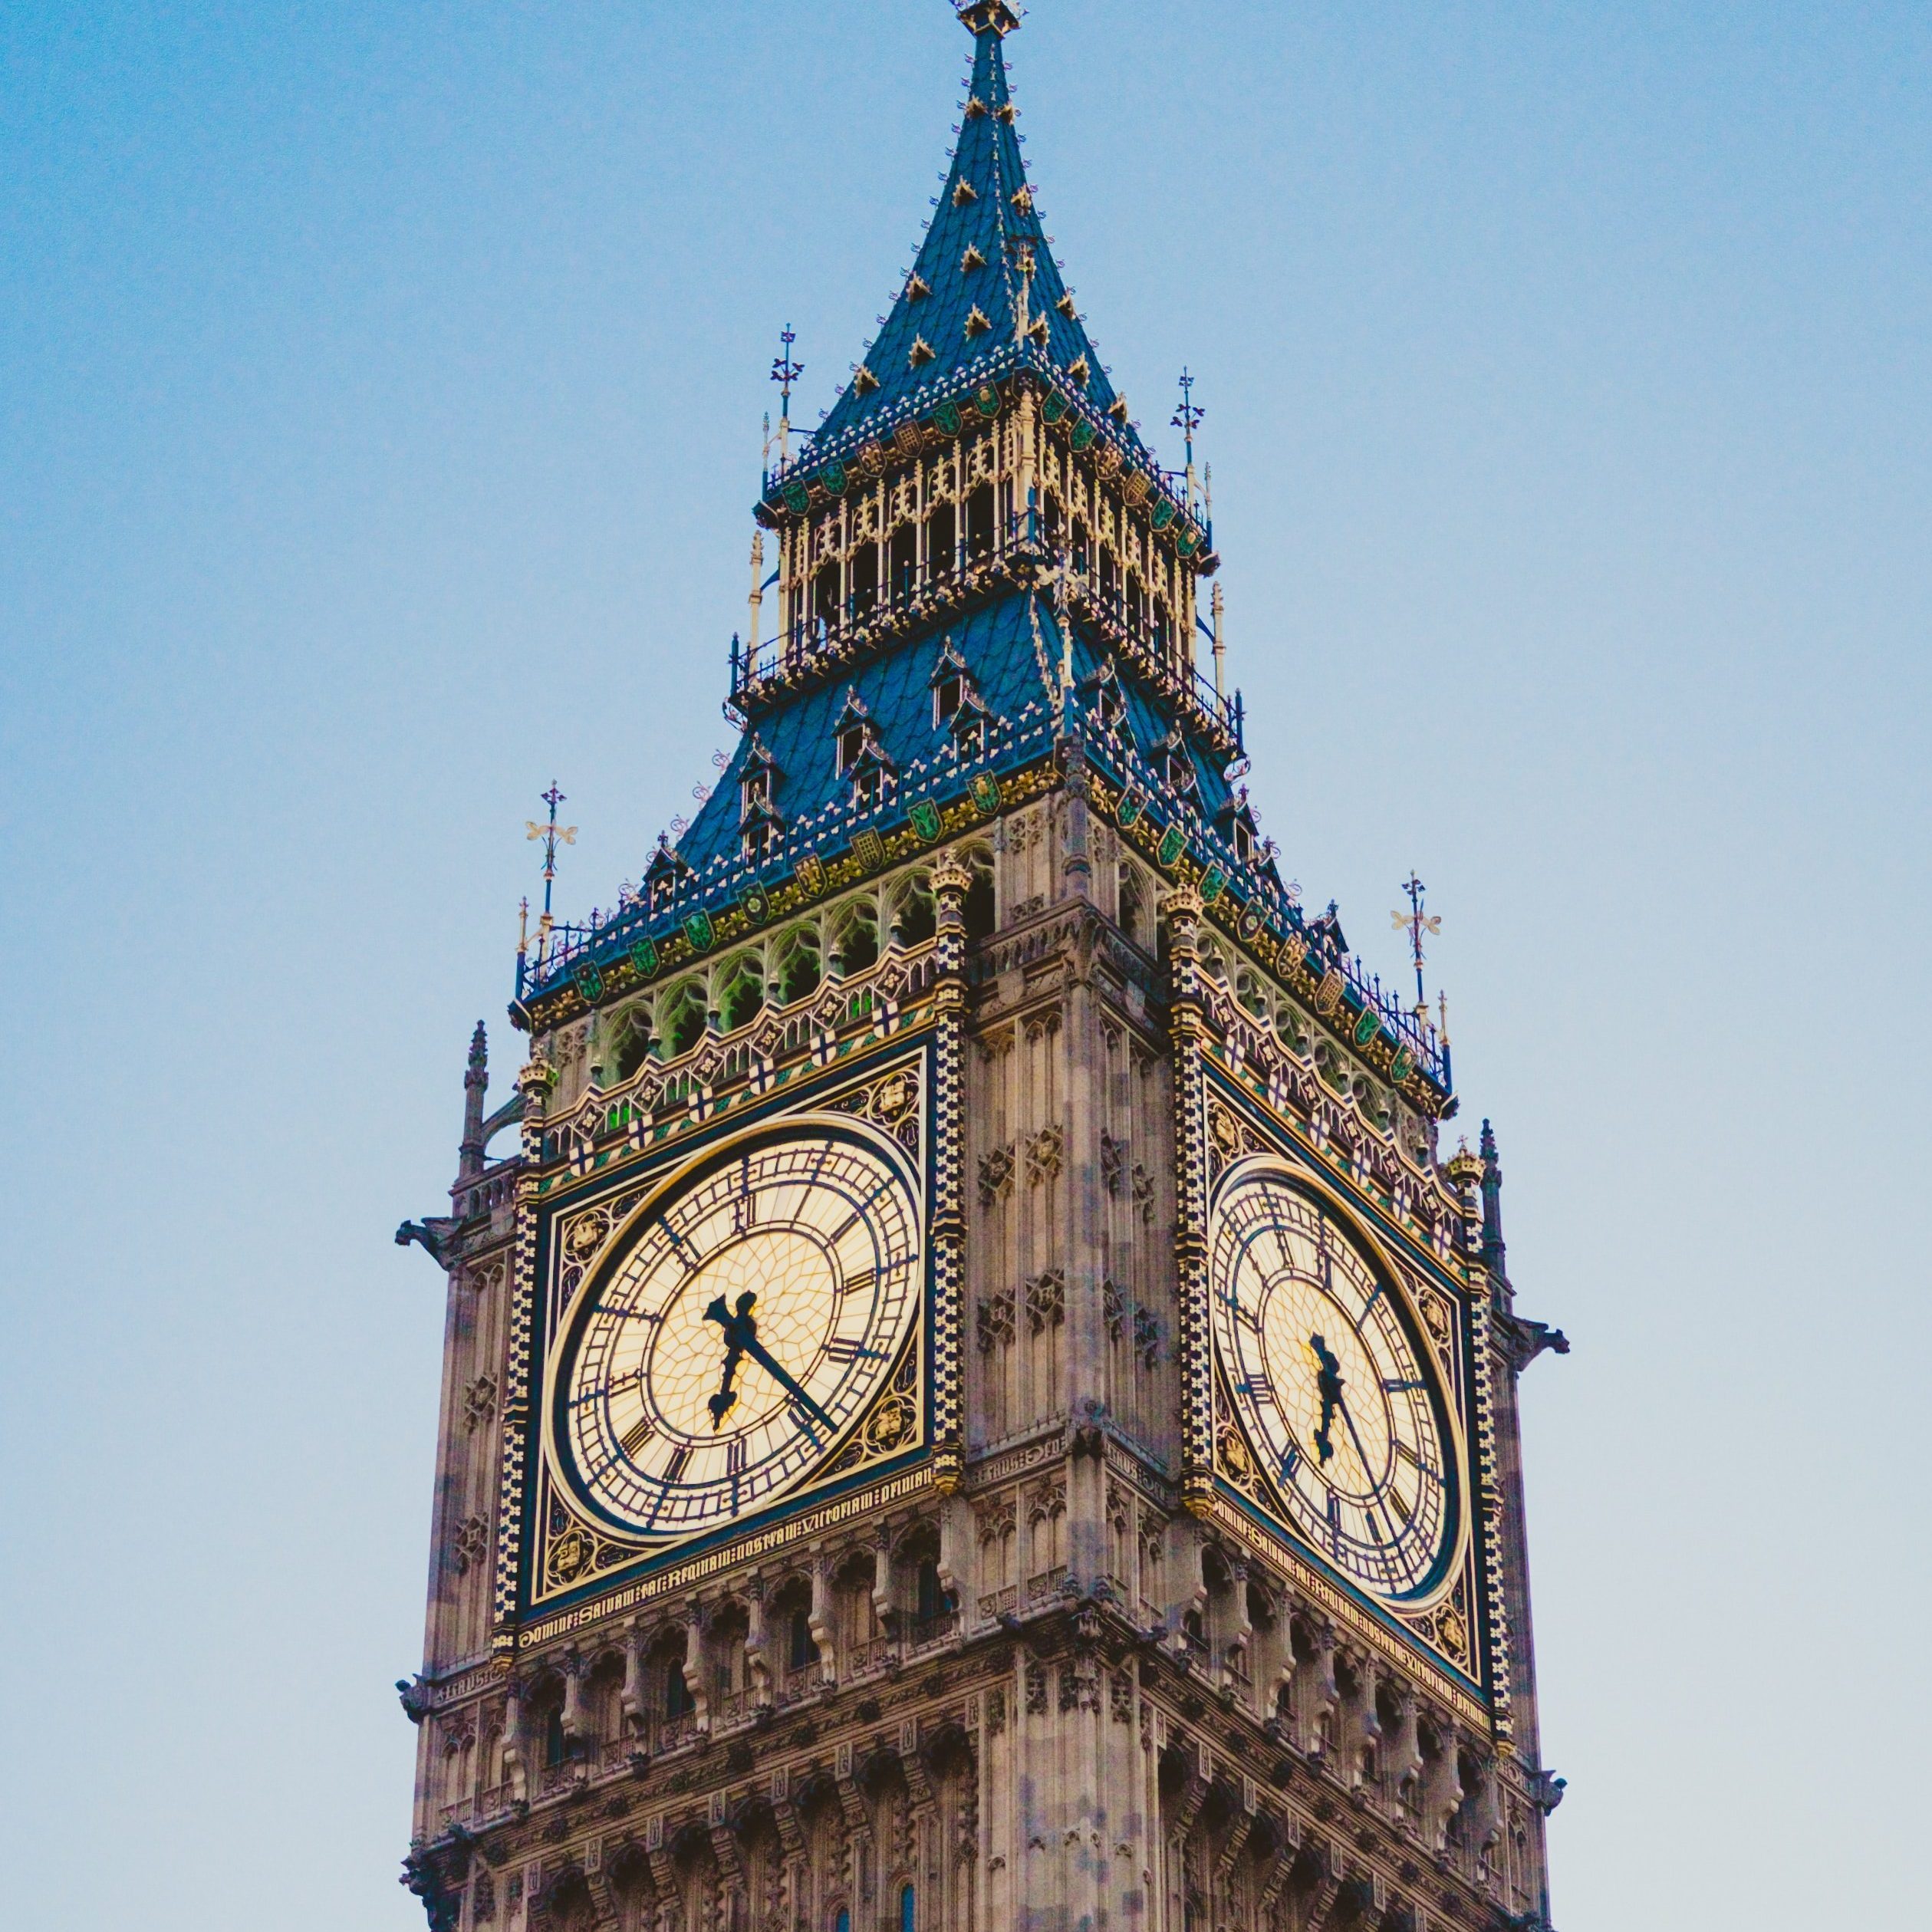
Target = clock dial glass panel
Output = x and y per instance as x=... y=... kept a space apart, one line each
x=738 y=1330
x=1341 y=1402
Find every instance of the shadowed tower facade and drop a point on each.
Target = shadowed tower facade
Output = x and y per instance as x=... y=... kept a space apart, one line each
x=972 y=1400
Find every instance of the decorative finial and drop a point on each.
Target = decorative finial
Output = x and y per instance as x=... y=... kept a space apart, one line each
x=785 y=373
x=1415 y=922
x=553 y=835
x=1187 y=419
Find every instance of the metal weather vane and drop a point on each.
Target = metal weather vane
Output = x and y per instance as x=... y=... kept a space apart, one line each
x=553 y=835
x=1415 y=922
x=785 y=373
x=1187 y=419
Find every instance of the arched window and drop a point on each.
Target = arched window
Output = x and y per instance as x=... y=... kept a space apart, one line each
x=801 y=1651
x=908 y=1909
x=678 y=1701
x=979 y=908
x=842 y=1921
x=555 y=1746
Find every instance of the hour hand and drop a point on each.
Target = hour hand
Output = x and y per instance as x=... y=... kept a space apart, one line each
x=1328 y=1382
x=723 y=1402
x=736 y=1327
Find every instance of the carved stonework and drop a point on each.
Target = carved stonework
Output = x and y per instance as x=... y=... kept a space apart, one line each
x=995 y=1175
x=1046 y=1300
x=468 y=1544
x=1043 y=1155
x=479 y=1401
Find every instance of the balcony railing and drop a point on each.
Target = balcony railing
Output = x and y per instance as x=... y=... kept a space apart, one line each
x=923 y=1632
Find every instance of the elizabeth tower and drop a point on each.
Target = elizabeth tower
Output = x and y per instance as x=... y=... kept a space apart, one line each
x=974 y=1400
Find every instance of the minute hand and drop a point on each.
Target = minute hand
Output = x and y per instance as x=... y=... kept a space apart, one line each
x=1362 y=1454
x=762 y=1355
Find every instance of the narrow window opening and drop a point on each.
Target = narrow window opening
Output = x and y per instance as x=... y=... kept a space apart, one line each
x=980 y=522
x=980 y=909
x=905 y=561
x=865 y=580
x=941 y=540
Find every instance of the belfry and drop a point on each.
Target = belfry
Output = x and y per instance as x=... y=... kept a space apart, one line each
x=975 y=1398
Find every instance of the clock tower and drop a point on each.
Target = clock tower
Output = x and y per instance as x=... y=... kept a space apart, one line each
x=973 y=1399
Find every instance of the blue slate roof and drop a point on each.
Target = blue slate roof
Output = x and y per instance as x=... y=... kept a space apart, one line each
x=1010 y=667
x=986 y=205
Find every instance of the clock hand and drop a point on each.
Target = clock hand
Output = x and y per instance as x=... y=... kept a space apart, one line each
x=1362 y=1454
x=737 y=1327
x=741 y=1338
x=760 y=1354
x=1329 y=1382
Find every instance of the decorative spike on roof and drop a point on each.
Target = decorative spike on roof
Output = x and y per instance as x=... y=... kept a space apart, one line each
x=985 y=278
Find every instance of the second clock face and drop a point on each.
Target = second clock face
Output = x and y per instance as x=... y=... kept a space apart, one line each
x=743 y=1325
x=1335 y=1393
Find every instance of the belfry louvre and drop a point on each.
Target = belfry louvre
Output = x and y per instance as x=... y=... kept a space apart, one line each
x=978 y=1400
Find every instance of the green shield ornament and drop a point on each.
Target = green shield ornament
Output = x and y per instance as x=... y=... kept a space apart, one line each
x=925 y=816
x=697 y=932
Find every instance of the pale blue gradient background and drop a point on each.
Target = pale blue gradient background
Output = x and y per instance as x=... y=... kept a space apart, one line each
x=380 y=392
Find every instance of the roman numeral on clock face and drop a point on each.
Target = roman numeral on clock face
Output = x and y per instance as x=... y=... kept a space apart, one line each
x=845 y=1348
x=1258 y=1386
x=674 y=1469
x=862 y=1283
x=734 y=1457
x=640 y=1433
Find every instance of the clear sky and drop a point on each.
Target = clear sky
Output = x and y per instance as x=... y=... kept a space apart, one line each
x=379 y=392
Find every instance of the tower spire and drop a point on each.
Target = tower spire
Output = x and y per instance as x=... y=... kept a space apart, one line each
x=970 y=309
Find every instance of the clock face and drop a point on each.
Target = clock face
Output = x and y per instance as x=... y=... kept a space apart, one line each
x=737 y=1329
x=1340 y=1403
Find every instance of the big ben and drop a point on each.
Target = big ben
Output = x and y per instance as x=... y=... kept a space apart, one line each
x=976 y=1394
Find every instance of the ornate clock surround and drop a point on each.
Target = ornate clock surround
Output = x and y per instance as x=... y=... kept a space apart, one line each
x=569 y=1558
x=1450 y=1631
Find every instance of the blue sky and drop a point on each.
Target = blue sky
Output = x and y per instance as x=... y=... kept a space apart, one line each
x=379 y=392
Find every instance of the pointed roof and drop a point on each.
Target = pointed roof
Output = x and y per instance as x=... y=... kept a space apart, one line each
x=960 y=314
